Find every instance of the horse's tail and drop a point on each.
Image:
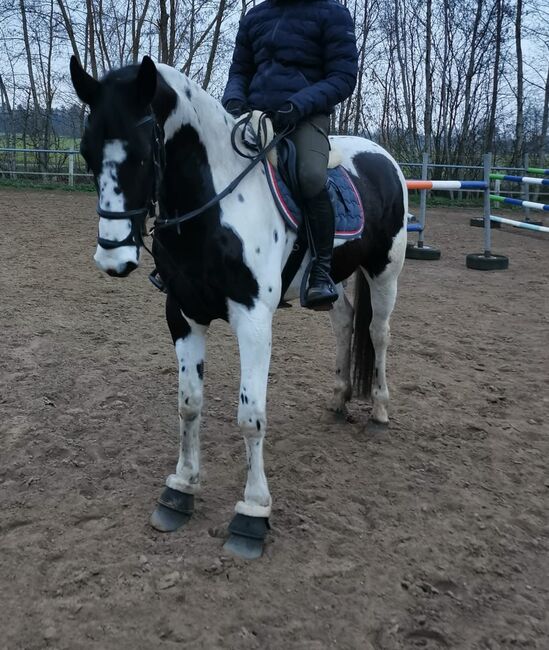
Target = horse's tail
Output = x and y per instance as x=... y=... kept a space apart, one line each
x=363 y=350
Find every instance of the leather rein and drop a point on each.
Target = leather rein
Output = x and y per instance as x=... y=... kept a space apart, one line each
x=256 y=153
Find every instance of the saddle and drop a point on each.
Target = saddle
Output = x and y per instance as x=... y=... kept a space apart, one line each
x=284 y=186
x=346 y=203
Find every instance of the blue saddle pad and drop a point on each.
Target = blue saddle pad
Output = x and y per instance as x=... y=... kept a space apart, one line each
x=349 y=220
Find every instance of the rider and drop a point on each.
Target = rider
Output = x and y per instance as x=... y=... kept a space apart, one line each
x=297 y=59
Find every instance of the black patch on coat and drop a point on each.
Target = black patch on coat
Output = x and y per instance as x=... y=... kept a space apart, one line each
x=200 y=370
x=165 y=100
x=382 y=198
x=203 y=264
x=241 y=198
x=179 y=328
x=381 y=194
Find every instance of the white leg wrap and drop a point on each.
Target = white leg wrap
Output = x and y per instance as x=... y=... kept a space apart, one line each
x=175 y=482
x=252 y=509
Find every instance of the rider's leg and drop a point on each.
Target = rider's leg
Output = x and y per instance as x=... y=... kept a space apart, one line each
x=313 y=149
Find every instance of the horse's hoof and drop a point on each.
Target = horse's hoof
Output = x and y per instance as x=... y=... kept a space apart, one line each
x=245 y=548
x=337 y=408
x=247 y=536
x=173 y=510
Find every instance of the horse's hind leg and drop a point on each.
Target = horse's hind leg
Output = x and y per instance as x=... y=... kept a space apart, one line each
x=383 y=291
x=176 y=504
x=249 y=526
x=341 y=317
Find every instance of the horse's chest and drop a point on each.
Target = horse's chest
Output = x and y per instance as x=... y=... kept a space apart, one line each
x=207 y=274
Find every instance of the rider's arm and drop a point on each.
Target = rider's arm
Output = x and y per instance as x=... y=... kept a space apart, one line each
x=340 y=66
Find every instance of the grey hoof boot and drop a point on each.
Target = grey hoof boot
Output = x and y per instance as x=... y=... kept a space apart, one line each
x=247 y=536
x=173 y=510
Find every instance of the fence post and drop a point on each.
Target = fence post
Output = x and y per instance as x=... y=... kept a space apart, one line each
x=487 y=164
x=525 y=189
x=71 y=169
x=420 y=251
x=487 y=261
x=423 y=198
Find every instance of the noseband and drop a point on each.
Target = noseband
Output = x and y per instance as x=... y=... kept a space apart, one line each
x=138 y=217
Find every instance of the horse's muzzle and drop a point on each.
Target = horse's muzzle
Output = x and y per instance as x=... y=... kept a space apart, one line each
x=122 y=272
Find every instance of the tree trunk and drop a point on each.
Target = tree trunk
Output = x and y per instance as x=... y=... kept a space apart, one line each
x=427 y=117
x=137 y=32
x=469 y=78
x=67 y=22
x=163 y=32
x=91 y=37
x=28 y=54
x=544 y=124
x=7 y=108
x=215 y=43
x=491 y=127
x=519 y=124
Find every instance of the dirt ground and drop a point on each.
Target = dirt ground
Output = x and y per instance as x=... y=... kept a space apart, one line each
x=431 y=534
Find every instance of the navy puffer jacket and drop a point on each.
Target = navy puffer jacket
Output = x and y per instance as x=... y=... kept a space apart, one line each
x=303 y=51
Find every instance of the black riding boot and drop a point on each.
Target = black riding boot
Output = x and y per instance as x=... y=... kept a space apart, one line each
x=321 y=292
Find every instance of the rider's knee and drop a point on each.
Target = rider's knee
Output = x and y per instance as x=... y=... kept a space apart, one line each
x=312 y=182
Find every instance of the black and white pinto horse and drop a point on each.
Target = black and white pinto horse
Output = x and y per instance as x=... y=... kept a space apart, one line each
x=153 y=134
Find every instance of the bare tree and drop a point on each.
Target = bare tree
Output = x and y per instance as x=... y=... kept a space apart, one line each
x=519 y=123
x=215 y=43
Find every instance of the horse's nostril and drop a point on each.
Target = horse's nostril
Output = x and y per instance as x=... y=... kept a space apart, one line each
x=124 y=271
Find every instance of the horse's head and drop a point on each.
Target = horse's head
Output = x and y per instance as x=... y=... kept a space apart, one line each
x=122 y=148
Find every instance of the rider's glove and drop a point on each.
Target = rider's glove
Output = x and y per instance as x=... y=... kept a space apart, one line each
x=235 y=107
x=286 y=117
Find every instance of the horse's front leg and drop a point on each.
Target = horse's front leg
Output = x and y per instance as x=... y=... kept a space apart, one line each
x=341 y=317
x=176 y=502
x=250 y=523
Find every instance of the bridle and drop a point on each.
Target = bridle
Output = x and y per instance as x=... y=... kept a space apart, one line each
x=138 y=216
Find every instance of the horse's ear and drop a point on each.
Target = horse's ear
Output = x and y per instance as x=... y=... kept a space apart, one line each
x=87 y=88
x=146 y=80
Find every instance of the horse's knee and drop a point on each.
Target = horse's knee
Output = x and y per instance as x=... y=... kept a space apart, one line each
x=190 y=402
x=252 y=421
x=380 y=333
